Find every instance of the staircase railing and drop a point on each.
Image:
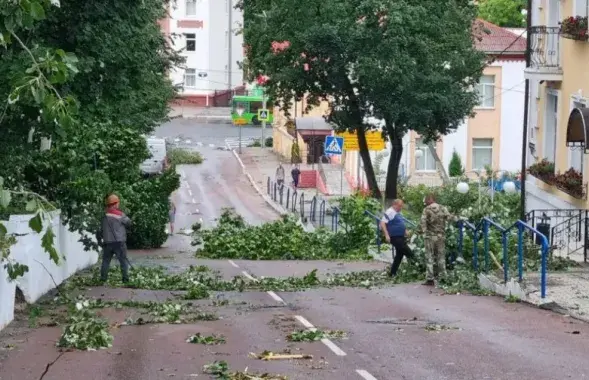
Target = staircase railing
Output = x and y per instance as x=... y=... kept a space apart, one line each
x=482 y=230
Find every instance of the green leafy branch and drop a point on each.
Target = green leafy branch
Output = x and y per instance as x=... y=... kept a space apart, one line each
x=43 y=216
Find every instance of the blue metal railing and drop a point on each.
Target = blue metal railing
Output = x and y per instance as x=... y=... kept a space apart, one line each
x=482 y=230
x=378 y=220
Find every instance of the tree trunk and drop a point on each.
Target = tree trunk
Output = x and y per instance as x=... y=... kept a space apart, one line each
x=367 y=161
x=393 y=167
x=439 y=164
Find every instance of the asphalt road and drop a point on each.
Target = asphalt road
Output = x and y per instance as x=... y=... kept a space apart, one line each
x=407 y=332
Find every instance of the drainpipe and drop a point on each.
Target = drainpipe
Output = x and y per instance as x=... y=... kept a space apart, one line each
x=526 y=116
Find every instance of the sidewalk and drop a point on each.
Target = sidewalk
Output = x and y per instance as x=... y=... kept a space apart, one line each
x=261 y=164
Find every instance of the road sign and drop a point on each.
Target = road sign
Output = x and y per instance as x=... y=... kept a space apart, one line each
x=373 y=138
x=334 y=145
x=263 y=115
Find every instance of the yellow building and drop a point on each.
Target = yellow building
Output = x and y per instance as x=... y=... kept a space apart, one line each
x=556 y=186
x=559 y=94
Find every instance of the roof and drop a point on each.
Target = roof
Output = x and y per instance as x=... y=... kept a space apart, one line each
x=491 y=38
x=316 y=123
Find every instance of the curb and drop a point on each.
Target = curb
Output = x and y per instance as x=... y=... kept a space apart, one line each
x=280 y=210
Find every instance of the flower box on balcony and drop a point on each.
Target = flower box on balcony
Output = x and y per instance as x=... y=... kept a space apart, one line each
x=570 y=182
x=575 y=28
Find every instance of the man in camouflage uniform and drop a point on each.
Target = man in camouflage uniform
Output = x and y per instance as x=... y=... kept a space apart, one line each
x=433 y=226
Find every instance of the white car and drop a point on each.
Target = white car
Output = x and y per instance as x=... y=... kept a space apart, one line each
x=157 y=149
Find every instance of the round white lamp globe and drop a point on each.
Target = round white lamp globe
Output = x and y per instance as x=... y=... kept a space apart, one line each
x=418 y=153
x=462 y=188
x=509 y=187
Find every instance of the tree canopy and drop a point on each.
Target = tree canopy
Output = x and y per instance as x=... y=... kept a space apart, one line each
x=410 y=65
x=505 y=13
x=92 y=77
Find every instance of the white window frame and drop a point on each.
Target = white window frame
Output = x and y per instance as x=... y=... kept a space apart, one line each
x=186 y=4
x=193 y=74
x=545 y=141
x=577 y=150
x=186 y=39
x=486 y=98
x=474 y=148
x=427 y=155
x=580 y=8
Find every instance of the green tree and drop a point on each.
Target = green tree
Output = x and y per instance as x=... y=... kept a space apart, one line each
x=505 y=13
x=379 y=60
x=413 y=76
x=121 y=92
x=309 y=48
x=455 y=168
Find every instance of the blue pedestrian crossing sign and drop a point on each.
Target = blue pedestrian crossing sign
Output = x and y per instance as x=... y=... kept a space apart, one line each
x=263 y=115
x=334 y=145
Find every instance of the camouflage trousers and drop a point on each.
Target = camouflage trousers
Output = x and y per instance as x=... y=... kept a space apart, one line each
x=435 y=256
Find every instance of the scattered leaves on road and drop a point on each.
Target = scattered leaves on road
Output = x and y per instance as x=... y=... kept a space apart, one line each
x=314 y=335
x=220 y=370
x=437 y=328
x=198 y=338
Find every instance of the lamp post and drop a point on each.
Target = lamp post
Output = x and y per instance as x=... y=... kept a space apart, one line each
x=508 y=186
x=240 y=111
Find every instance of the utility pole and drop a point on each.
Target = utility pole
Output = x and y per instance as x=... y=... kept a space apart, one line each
x=526 y=111
x=264 y=105
x=229 y=43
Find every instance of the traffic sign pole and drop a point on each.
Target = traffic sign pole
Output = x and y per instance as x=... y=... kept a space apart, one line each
x=240 y=113
x=263 y=121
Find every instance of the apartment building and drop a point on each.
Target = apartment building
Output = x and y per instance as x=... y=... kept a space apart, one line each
x=206 y=34
x=492 y=138
x=559 y=100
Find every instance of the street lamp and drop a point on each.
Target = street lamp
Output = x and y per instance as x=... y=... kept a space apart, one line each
x=463 y=187
x=240 y=111
x=509 y=187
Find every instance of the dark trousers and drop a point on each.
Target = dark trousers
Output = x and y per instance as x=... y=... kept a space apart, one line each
x=401 y=249
x=120 y=251
x=295 y=180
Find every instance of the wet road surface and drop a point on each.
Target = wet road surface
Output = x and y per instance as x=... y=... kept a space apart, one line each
x=407 y=332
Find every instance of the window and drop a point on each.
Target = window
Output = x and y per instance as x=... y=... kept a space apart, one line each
x=576 y=153
x=190 y=78
x=190 y=7
x=486 y=90
x=580 y=8
x=482 y=153
x=426 y=162
x=190 y=42
x=550 y=126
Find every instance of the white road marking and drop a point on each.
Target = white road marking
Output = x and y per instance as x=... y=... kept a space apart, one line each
x=249 y=276
x=365 y=374
x=193 y=200
x=336 y=350
x=275 y=296
x=332 y=346
x=233 y=263
x=304 y=322
x=189 y=192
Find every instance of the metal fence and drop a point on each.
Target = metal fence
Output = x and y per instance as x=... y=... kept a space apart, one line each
x=316 y=210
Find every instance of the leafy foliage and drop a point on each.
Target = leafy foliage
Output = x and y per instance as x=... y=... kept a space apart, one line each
x=455 y=168
x=379 y=59
x=84 y=330
x=208 y=340
x=286 y=239
x=505 y=13
x=95 y=123
x=314 y=335
x=182 y=156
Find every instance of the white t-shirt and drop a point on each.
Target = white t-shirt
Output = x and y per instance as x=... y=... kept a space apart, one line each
x=390 y=213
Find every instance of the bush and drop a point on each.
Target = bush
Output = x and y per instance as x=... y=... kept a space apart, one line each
x=455 y=168
x=147 y=204
x=184 y=157
x=295 y=154
x=269 y=142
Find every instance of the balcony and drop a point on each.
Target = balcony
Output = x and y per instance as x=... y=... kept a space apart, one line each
x=545 y=62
